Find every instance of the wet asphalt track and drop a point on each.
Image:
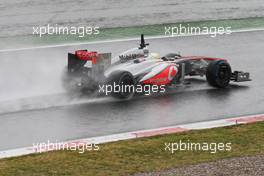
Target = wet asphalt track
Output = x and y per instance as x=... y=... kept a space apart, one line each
x=103 y=116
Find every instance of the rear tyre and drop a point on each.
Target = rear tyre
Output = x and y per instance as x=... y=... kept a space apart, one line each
x=79 y=81
x=218 y=73
x=122 y=83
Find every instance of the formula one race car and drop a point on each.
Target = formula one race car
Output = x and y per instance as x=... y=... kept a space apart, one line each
x=138 y=70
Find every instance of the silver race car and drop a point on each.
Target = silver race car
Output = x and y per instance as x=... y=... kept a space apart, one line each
x=139 y=70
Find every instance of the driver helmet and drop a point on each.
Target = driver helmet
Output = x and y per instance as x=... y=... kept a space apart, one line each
x=154 y=55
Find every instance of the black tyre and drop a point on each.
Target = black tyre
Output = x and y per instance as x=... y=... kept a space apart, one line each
x=218 y=73
x=122 y=83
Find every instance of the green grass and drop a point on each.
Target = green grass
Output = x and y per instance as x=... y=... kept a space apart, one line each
x=139 y=155
x=125 y=32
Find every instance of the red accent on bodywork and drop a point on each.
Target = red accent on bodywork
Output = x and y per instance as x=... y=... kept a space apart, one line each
x=164 y=77
x=87 y=55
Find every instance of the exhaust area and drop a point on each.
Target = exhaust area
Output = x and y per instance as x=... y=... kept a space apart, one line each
x=30 y=80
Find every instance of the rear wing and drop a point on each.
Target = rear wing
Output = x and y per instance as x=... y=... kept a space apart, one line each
x=98 y=62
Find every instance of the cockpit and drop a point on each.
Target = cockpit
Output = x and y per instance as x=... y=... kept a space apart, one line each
x=171 y=57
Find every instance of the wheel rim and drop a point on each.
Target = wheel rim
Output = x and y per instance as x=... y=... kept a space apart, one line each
x=126 y=80
x=224 y=73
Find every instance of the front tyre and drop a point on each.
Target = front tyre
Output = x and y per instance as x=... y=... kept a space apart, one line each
x=122 y=83
x=218 y=73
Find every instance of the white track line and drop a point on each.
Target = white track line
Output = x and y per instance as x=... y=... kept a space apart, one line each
x=139 y=134
x=121 y=40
